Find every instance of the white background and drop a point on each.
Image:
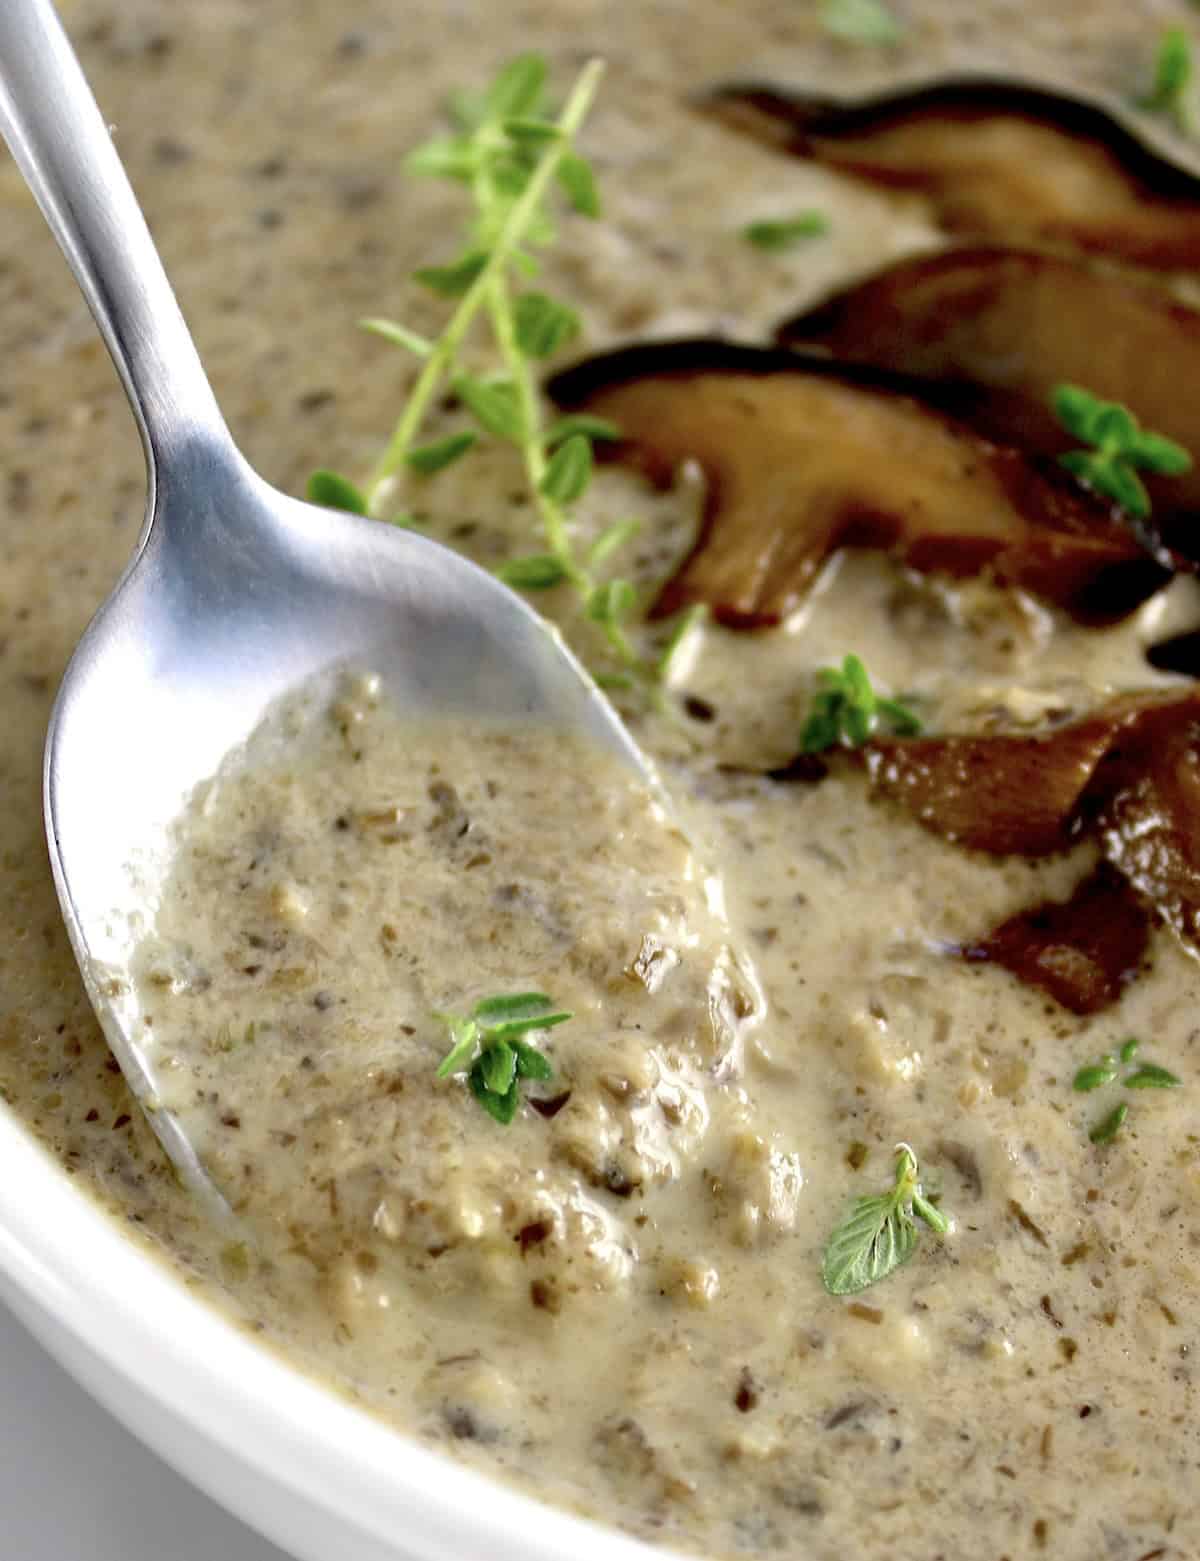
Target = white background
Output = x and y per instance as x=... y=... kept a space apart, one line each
x=75 y=1486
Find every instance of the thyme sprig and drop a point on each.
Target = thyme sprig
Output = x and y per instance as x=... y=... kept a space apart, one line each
x=510 y=155
x=880 y=1233
x=846 y=710
x=489 y=1045
x=1108 y=1070
x=1121 y=446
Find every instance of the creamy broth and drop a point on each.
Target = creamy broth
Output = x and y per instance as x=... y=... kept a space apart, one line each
x=663 y=1354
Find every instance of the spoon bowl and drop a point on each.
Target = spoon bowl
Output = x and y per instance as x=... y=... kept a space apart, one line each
x=236 y=595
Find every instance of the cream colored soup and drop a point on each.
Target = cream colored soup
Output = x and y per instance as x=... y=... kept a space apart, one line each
x=664 y=1355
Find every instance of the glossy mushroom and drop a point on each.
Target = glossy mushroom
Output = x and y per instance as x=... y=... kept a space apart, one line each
x=1126 y=775
x=802 y=456
x=1083 y=951
x=996 y=330
x=996 y=159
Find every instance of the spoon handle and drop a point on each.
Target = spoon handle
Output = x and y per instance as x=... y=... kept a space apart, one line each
x=63 y=147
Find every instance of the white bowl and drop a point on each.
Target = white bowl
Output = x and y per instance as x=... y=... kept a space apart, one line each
x=304 y=1467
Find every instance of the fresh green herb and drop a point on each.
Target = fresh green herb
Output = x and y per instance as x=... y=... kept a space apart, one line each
x=399 y=336
x=1121 y=447
x=1108 y=1127
x=860 y=21
x=336 y=492
x=786 y=232
x=429 y=458
x=612 y=539
x=596 y=428
x=689 y=619
x=509 y=155
x=847 y=710
x=1151 y=1076
x=543 y=325
x=489 y=1046
x=1174 y=72
x=537 y=572
x=1098 y=1075
x=880 y=1233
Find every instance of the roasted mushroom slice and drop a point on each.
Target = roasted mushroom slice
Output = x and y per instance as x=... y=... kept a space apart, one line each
x=803 y=456
x=998 y=330
x=1127 y=774
x=997 y=159
x=1083 y=951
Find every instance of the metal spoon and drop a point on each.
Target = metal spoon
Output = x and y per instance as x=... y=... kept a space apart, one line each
x=235 y=594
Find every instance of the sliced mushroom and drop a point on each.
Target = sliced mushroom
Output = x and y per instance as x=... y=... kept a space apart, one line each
x=1147 y=796
x=1083 y=951
x=996 y=330
x=997 y=159
x=1008 y=794
x=1128 y=774
x=803 y=456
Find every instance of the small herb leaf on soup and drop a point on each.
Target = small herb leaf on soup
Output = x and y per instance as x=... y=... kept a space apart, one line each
x=880 y=1233
x=336 y=492
x=861 y=21
x=846 y=710
x=488 y=1046
x=1121 y=447
x=787 y=232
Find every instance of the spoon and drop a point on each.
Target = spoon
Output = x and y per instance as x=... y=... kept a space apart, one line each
x=236 y=593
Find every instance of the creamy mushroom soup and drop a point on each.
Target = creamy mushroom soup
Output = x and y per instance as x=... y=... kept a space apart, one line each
x=615 y=1299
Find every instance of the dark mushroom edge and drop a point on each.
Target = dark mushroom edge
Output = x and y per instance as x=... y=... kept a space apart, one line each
x=994 y=331
x=996 y=158
x=796 y=453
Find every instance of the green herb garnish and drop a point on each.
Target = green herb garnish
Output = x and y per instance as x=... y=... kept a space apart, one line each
x=860 y=21
x=786 y=232
x=1108 y=1127
x=489 y=1046
x=880 y=1233
x=1098 y=1075
x=847 y=710
x=1121 y=446
x=1174 y=72
x=510 y=156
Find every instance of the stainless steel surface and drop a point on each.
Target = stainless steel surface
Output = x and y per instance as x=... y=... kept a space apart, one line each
x=235 y=594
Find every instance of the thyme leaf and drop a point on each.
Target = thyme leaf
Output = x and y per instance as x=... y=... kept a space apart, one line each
x=787 y=232
x=336 y=492
x=488 y=1045
x=1098 y=1075
x=860 y=21
x=846 y=710
x=1121 y=448
x=880 y=1232
x=1171 y=92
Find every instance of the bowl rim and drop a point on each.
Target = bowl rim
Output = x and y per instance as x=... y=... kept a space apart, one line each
x=67 y=1255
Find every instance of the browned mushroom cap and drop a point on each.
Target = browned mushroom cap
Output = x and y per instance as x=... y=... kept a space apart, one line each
x=1127 y=774
x=1146 y=793
x=803 y=456
x=997 y=159
x=1009 y=794
x=1083 y=951
x=997 y=330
